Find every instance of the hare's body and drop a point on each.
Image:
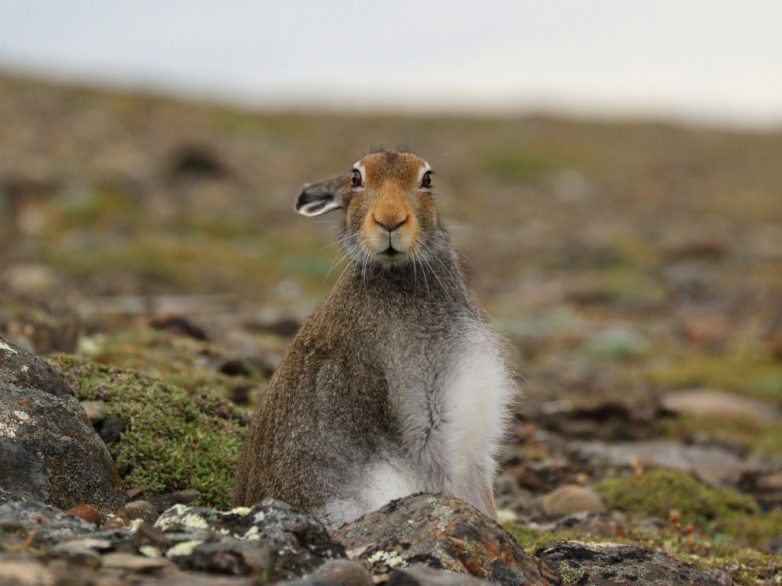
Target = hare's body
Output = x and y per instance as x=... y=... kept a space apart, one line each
x=396 y=385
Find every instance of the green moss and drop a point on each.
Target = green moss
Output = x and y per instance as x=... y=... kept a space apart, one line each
x=715 y=511
x=174 y=438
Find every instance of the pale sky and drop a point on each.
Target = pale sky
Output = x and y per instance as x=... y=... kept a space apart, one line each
x=713 y=61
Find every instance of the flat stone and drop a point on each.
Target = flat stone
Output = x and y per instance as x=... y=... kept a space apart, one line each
x=134 y=563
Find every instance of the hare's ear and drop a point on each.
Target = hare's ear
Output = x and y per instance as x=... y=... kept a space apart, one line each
x=318 y=198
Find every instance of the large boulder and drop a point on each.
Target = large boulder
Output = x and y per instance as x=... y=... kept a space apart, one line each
x=48 y=448
x=444 y=533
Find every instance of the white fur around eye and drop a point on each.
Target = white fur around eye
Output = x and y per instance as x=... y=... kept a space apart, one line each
x=360 y=168
x=422 y=171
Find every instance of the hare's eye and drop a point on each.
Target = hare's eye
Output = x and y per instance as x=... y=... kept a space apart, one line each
x=426 y=180
x=355 y=178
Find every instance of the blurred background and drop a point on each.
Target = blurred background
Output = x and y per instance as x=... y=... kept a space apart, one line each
x=611 y=171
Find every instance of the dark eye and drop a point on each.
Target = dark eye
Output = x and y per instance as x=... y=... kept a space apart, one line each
x=426 y=180
x=355 y=178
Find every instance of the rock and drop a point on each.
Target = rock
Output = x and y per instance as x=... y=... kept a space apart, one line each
x=570 y=499
x=614 y=564
x=420 y=575
x=707 y=403
x=141 y=509
x=48 y=448
x=344 y=573
x=268 y=538
x=442 y=532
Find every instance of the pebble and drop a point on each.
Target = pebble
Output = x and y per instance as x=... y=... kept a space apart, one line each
x=141 y=509
x=570 y=499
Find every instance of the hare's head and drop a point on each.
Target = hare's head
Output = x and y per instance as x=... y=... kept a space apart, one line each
x=390 y=216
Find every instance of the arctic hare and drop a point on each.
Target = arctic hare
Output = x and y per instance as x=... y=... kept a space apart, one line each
x=396 y=384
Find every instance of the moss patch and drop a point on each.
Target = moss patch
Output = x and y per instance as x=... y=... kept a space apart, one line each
x=174 y=439
x=722 y=514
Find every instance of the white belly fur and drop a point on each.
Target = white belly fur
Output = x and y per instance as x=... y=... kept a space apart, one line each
x=473 y=414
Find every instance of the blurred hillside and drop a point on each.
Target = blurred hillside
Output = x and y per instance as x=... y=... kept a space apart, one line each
x=629 y=264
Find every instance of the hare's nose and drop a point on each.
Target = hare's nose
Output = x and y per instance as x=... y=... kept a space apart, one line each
x=391 y=225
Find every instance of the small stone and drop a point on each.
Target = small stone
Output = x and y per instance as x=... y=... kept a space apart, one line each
x=84 y=556
x=344 y=573
x=86 y=512
x=95 y=410
x=141 y=510
x=134 y=563
x=187 y=496
x=570 y=499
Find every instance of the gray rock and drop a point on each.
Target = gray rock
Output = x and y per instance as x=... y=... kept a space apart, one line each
x=442 y=532
x=614 y=565
x=269 y=538
x=48 y=448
